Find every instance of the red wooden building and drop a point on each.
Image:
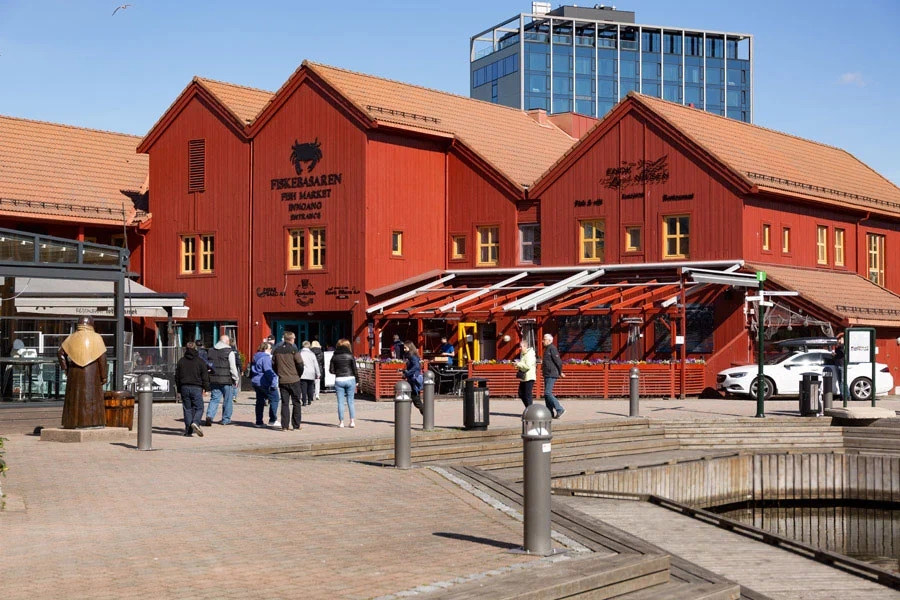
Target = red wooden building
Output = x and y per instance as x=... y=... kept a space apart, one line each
x=349 y=205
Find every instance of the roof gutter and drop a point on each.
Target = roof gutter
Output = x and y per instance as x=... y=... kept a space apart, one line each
x=613 y=267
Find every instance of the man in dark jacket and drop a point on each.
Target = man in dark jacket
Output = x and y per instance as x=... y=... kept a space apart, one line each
x=551 y=369
x=288 y=365
x=191 y=380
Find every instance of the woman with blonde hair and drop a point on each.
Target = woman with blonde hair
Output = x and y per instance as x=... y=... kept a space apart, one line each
x=343 y=366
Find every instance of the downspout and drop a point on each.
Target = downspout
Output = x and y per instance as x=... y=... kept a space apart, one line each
x=864 y=253
x=249 y=345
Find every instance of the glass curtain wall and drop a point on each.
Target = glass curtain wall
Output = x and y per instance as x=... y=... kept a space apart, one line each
x=567 y=70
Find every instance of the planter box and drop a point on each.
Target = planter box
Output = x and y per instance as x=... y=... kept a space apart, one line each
x=378 y=379
x=598 y=381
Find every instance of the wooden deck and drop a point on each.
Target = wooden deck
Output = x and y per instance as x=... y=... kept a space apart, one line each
x=777 y=573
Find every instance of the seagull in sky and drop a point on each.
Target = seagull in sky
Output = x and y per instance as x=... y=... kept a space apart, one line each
x=118 y=8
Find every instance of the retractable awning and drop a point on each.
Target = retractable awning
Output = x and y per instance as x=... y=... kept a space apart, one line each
x=63 y=297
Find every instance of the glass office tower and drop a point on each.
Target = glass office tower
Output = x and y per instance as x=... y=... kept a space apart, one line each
x=587 y=59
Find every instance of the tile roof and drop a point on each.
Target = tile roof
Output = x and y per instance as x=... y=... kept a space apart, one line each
x=507 y=138
x=859 y=300
x=780 y=161
x=244 y=102
x=52 y=170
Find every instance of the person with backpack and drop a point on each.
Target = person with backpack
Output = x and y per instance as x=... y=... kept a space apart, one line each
x=222 y=380
x=265 y=382
x=191 y=380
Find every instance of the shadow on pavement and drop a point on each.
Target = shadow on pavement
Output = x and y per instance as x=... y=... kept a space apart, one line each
x=477 y=540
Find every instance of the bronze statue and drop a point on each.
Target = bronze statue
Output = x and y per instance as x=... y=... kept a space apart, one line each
x=83 y=357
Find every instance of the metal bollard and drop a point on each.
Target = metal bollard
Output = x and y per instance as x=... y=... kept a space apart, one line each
x=827 y=389
x=537 y=436
x=634 y=390
x=428 y=401
x=402 y=401
x=145 y=411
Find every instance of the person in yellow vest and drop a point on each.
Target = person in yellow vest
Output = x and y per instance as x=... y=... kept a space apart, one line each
x=83 y=357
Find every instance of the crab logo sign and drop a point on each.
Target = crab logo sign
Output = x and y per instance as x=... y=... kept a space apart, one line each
x=310 y=152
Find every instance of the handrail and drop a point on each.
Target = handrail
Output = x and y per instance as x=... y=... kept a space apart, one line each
x=845 y=563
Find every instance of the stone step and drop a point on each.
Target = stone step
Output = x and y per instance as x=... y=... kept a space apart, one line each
x=676 y=590
x=484 y=454
x=584 y=430
x=596 y=577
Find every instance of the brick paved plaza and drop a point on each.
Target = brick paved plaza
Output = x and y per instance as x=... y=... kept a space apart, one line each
x=196 y=519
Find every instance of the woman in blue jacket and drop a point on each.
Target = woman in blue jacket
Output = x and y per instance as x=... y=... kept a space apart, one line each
x=413 y=373
x=265 y=382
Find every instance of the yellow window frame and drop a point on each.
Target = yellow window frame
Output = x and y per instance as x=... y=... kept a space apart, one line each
x=488 y=238
x=592 y=248
x=786 y=240
x=296 y=258
x=822 y=244
x=207 y=253
x=396 y=243
x=767 y=237
x=875 y=246
x=188 y=254
x=457 y=247
x=839 y=244
x=677 y=235
x=630 y=245
x=317 y=248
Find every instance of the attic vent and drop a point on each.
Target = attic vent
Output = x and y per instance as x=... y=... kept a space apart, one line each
x=196 y=165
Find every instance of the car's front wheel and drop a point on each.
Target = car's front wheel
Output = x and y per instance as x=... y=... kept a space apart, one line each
x=768 y=388
x=861 y=388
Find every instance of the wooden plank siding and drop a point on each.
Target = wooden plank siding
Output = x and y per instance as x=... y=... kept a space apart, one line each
x=307 y=116
x=715 y=208
x=220 y=210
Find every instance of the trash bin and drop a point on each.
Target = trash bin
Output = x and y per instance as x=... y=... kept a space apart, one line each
x=476 y=404
x=809 y=395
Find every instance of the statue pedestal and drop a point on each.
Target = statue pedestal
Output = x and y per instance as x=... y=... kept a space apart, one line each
x=107 y=434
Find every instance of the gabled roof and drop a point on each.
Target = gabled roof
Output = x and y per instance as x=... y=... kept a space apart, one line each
x=779 y=161
x=244 y=102
x=52 y=170
x=507 y=138
x=860 y=301
x=753 y=157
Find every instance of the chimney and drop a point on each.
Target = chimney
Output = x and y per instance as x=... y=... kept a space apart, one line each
x=539 y=115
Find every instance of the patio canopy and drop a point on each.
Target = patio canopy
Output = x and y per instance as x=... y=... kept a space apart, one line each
x=546 y=291
x=94 y=298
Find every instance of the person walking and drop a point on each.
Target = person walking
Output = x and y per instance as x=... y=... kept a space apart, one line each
x=265 y=383
x=551 y=369
x=288 y=366
x=191 y=381
x=413 y=373
x=526 y=372
x=343 y=367
x=222 y=380
x=310 y=374
x=316 y=348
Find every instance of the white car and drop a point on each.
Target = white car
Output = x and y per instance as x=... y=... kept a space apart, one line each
x=783 y=374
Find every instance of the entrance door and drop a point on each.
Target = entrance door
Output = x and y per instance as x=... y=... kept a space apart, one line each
x=298 y=328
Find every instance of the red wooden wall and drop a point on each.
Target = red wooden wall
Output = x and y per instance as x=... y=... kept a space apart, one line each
x=221 y=210
x=405 y=188
x=715 y=209
x=473 y=201
x=308 y=115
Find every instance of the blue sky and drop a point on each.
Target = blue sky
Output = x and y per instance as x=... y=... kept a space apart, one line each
x=825 y=70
